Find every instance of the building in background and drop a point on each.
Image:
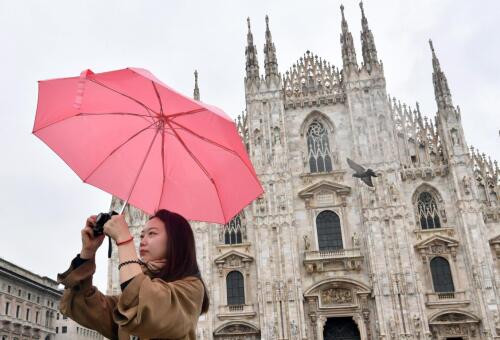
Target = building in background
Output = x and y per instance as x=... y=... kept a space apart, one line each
x=67 y=329
x=29 y=308
x=321 y=255
x=28 y=304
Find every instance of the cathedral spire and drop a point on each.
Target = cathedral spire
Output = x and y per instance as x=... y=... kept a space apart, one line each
x=441 y=90
x=196 y=91
x=348 y=52
x=270 y=60
x=368 y=42
x=252 y=64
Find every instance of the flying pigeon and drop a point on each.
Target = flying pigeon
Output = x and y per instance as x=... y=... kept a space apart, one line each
x=362 y=173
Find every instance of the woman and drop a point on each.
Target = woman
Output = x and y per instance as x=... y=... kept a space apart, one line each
x=162 y=294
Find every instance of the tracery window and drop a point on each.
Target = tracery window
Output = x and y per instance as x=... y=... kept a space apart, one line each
x=318 y=148
x=427 y=210
x=233 y=231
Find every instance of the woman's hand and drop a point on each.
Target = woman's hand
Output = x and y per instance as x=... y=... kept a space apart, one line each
x=117 y=228
x=90 y=244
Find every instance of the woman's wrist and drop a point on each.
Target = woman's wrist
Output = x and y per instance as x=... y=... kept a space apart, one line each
x=87 y=254
x=122 y=238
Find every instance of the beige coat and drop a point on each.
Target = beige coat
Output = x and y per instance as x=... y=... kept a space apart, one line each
x=147 y=308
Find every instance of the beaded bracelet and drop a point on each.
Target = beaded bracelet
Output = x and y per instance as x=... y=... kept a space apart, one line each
x=129 y=262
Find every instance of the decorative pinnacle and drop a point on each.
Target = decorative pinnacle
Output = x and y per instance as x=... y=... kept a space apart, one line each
x=267 y=22
x=342 y=11
x=249 y=34
x=196 y=92
x=362 y=9
x=435 y=60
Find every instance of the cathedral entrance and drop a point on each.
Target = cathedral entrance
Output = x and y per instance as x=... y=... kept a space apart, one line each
x=341 y=329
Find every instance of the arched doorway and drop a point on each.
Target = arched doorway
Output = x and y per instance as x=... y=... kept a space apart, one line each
x=343 y=328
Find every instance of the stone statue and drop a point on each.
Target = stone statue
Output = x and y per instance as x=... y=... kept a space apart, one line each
x=307 y=244
x=393 y=191
x=466 y=185
x=294 y=329
x=355 y=240
x=496 y=318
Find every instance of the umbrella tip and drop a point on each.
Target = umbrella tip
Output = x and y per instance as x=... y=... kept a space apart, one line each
x=86 y=73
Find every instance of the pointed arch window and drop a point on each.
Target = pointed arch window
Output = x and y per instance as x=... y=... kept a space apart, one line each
x=235 y=286
x=441 y=275
x=318 y=148
x=329 y=231
x=233 y=232
x=428 y=212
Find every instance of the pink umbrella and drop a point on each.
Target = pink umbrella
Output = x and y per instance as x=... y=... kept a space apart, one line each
x=134 y=137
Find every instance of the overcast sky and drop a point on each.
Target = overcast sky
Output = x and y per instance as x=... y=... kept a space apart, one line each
x=43 y=204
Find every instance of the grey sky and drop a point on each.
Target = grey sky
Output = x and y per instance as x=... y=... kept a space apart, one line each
x=43 y=204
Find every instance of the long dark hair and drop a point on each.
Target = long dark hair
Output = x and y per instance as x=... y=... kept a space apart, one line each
x=181 y=251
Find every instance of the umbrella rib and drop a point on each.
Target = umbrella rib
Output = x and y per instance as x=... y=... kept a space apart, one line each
x=114 y=113
x=111 y=113
x=216 y=144
x=186 y=113
x=200 y=165
x=56 y=122
x=158 y=96
x=85 y=114
x=148 y=109
x=142 y=165
x=162 y=166
x=116 y=149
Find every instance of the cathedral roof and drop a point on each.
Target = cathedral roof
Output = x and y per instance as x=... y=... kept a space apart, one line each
x=313 y=78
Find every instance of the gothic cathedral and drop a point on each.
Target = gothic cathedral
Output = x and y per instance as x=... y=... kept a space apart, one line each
x=322 y=255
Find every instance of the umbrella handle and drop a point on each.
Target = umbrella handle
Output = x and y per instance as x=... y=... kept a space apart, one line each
x=123 y=207
x=109 y=247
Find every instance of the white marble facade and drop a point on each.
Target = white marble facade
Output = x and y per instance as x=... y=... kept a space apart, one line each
x=435 y=204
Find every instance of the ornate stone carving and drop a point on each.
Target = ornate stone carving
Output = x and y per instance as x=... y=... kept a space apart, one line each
x=237 y=330
x=233 y=260
x=333 y=260
x=324 y=193
x=495 y=244
x=437 y=245
x=312 y=82
x=336 y=296
x=453 y=324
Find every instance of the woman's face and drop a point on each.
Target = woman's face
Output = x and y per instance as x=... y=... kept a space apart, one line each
x=153 y=244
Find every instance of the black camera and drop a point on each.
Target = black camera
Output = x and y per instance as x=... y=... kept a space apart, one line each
x=101 y=220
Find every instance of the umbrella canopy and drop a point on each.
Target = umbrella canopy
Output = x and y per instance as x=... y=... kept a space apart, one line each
x=134 y=137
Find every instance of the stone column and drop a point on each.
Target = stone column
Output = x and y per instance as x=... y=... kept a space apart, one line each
x=358 y=320
x=314 y=326
x=320 y=326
